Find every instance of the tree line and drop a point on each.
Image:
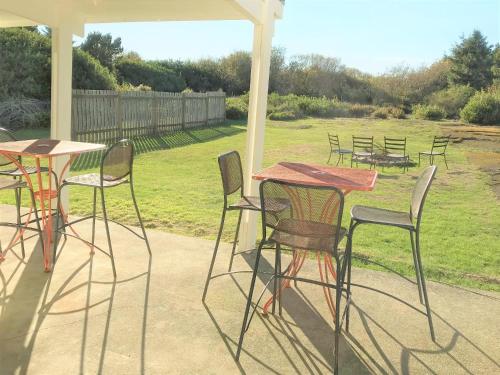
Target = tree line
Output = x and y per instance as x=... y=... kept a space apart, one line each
x=99 y=62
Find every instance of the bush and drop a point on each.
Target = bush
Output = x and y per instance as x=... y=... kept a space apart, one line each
x=482 y=108
x=397 y=112
x=283 y=116
x=361 y=110
x=24 y=113
x=428 y=112
x=151 y=74
x=236 y=108
x=382 y=113
x=452 y=100
x=88 y=73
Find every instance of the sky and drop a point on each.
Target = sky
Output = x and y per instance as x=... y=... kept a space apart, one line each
x=370 y=35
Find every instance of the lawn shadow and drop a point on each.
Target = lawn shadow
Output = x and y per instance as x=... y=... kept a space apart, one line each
x=145 y=144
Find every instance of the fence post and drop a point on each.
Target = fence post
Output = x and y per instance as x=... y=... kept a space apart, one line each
x=154 y=115
x=183 y=111
x=119 y=117
x=207 y=98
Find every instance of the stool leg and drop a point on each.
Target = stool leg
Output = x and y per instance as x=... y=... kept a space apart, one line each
x=139 y=216
x=210 y=269
x=106 y=224
x=94 y=217
x=236 y=235
x=17 y=193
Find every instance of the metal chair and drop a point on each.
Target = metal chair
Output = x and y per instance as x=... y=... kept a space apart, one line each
x=362 y=149
x=395 y=150
x=9 y=169
x=312 y=222
x=17 y=186
x=116 y=169
x=439 y=145
x=405 y=220
x=232 y=182
x=335 y=149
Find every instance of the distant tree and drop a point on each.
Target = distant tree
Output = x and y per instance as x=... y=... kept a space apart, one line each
x=88 y=73
x=471 y=62
x=236 y=69
x=495 y=69
x=103 y=48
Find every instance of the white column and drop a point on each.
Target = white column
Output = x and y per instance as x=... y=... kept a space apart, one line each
x=61 y=91
x=259 y=84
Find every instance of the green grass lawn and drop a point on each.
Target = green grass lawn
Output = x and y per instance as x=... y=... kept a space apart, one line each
x=179 y=190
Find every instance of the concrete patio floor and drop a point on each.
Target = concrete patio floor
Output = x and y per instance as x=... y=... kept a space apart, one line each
x=151 y=320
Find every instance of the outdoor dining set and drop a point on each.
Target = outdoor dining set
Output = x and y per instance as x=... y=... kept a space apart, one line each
x=393 y=151
x=301 y=206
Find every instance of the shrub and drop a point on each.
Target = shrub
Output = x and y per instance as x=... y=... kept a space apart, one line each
x=88 y=73
x=236 y=109
x=152 y=74
x=283 y=116
x=482 y=108
x=361 y=110
x=428 y=112
x=382 y=113
x=27 y=113
x=397 y=112
x=452 y=100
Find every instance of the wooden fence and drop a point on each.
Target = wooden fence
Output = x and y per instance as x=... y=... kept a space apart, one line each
x=103 y=116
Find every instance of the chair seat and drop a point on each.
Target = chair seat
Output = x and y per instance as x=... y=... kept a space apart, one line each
x=16 y=172
x=362 y=153
x=8 y=183
x=342 y=151
x=431 y=153
x=93 y=180
x=253 y=203
x=396 y=156
x=305 y=234
x=381 y=216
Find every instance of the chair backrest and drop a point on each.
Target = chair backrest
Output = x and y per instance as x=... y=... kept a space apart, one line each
x=362 y=144
x=420 y=192
x=440 y=143
x=314 y=211
x=117 y=161
x=395 y=145
x=231 y=172
x=334 y=142
x=6 y=136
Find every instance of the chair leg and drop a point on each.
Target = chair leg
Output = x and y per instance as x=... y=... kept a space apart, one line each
x=352 y=226
x=236 y=236
x=275 y=278
x=94 y=218
x=210 y=269
x=56 y=227
x=419 y=159
x=329 y=157
x=37 y=219
x=424 y=289
x=249 y=300
x=338 y=160
x=445 y=163
x=278 y=251
x=138 y=213
x=106 y=224
x=338 y=296
x=17 y=193
x=415 y=263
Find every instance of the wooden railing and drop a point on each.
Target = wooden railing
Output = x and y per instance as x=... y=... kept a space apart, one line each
x=107 y=116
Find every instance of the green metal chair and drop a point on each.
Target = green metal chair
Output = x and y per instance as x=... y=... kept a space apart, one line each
x=409 y=221
x=312 y=222
x=362 y=150
x=233 y=186
x=395 y=151
x=439 y=145
x=335 y=149
x=116 y=169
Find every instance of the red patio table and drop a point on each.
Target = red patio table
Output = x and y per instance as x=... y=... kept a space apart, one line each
x=45 y=149
x=345 y=179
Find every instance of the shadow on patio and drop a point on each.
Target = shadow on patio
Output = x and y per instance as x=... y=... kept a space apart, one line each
x=77 y=319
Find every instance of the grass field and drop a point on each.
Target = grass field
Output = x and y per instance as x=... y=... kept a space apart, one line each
x=179 y=190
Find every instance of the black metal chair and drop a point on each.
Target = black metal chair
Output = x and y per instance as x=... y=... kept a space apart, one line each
x=233 y=187
x=312 y=222
x=395 y=151
x=439 y=145
x=9 y=169
x=335 y=149
x=405 y=220
x=17 y=186
x=362 y=150
x=116 y=169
